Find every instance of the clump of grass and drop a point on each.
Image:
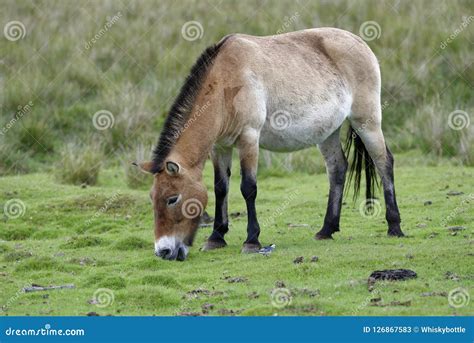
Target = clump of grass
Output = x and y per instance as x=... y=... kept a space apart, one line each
x=135 y=177
x=17 y=234
x=115 y=201
x=162 y=280
x=437 y=133
x=39 y=263
x=35 y=136
x=133 y=243
x=113 y=282
x=17 y=255
x=79 y=164
x=4 y=248
x=13 y=161
x=47 y=234
x=150 y=297
x=82 y=242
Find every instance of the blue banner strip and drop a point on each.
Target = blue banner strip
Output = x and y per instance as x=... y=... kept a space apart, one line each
x=237 y=329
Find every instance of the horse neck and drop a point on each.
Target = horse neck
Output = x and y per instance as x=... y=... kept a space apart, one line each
x=198 y=135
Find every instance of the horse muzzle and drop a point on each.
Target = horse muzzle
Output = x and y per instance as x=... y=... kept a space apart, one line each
x=168 y=248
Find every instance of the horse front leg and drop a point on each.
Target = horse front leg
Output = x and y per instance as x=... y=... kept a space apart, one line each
x=222 y=162
x=248 y=153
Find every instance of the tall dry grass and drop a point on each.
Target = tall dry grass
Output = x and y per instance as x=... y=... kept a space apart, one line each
x=134 y=68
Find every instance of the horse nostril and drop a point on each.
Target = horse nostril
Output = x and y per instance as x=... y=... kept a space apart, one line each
x=181 y=254
x=164 y=253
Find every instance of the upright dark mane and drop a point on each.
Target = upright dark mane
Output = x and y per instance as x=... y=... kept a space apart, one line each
x=182 y=106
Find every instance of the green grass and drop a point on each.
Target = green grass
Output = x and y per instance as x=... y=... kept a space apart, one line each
x=55 y=242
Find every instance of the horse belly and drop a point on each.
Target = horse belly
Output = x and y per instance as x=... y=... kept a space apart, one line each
x=291 y=128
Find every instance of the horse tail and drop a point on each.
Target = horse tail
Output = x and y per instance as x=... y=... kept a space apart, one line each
x=360 y=159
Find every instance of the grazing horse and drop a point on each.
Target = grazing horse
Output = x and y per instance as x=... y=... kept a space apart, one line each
x=283 y=93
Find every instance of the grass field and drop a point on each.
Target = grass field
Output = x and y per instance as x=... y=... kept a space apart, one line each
x=65 y=236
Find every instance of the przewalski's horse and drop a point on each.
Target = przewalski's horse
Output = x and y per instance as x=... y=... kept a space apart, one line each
x=282 y=93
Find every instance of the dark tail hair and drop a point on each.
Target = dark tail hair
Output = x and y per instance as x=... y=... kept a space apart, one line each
x=360 y=158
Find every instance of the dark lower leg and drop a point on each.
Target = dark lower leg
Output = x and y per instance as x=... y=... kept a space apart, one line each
x=221 y=221
x=248 y=188
x=222 y=160
x=333 y=211
x=336 y=166
x=392 y=213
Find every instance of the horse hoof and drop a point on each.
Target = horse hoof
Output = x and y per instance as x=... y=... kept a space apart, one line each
x=251 y=248
x=395 y=234
x=320 y=237
x=212 y=245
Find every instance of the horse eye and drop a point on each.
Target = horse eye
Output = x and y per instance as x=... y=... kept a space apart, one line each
x=173 y=200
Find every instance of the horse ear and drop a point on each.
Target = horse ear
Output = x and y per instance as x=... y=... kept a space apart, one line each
x=172 y=168
x=147 y=166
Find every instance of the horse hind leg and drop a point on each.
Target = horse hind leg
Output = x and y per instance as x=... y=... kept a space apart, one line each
x=336 y=166
x=370 y=132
